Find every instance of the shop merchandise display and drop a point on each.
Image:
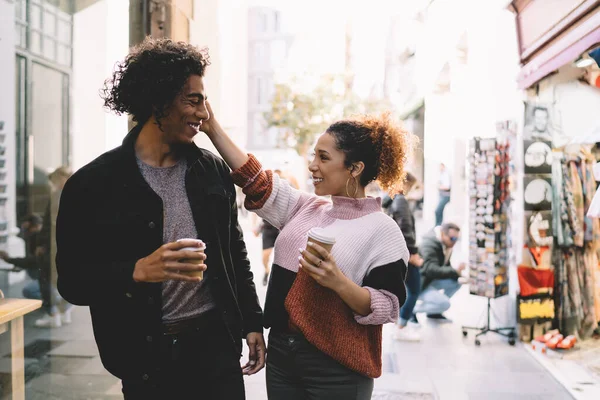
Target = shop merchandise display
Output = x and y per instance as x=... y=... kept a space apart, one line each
x=577 y=242
x=489 y=192
x=489 y=229
x=535 y=301
x=538 y=157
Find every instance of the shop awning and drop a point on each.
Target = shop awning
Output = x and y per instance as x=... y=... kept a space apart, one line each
x=548 y=43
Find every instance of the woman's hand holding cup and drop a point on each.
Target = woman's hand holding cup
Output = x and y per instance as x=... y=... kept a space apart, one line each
x=318 y=262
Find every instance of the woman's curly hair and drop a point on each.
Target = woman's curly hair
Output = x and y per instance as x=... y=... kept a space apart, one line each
x=151 y=76
x=382 y=144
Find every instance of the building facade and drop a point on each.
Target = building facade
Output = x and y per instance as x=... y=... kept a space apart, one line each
x=267 y=53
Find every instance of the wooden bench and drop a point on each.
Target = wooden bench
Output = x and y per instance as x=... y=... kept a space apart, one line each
x=11 y=318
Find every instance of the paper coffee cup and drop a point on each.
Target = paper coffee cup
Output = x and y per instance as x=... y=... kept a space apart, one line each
x=320 y=237
x=196 y=274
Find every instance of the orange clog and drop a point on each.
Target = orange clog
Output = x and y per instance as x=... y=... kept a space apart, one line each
x=567 y=343
x=552 y=343
x=547 y=336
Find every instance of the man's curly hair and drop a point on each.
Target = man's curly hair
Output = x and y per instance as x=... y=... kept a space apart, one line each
x=151 y=76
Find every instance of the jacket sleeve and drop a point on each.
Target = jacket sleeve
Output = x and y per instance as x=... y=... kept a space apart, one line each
x=81 y=279
x=270 y=197
x=247 y=298
x=433 y=267
x=403 y=217
x=28 y=263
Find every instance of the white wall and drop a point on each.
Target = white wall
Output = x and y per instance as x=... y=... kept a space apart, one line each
x=7 y=104
x=15 y=246
x=100 y=39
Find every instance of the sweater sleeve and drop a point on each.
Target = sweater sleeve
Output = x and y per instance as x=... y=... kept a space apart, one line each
x=388 y=293
x=386 y=274
x=269 y=196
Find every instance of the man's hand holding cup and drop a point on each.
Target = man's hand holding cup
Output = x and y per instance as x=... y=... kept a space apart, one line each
x=182 y=260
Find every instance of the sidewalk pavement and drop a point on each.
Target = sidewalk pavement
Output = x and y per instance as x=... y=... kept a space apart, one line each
x=64 y=363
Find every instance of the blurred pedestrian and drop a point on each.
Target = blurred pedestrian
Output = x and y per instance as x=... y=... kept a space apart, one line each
x=444 y=190
x=440 y=278
x=58 y=310
x=399 y=210
x=325 y=311
x=30 y=232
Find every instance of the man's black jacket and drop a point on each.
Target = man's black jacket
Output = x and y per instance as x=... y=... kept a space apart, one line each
x=109 y=218
x=399 y=210
x=434 y=267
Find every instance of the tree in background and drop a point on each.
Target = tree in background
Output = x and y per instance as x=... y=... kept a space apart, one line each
x=302 y=114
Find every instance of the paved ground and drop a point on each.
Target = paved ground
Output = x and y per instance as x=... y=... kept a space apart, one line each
x=63 y=363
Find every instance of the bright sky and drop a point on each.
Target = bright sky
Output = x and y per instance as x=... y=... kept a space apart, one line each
x=319 y=27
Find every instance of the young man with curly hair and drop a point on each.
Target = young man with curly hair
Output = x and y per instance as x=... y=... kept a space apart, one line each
x=165 y=332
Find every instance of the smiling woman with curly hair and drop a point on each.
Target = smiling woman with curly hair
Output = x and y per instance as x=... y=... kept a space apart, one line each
x=326 y=304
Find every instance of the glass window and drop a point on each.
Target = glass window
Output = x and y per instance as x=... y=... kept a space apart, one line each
x=278 y=50
x=36 y=42
x=276 y=21
x=21 y=35
x=20 y=10
x=41 y=24
x=35 y=17
x=63 y=55
x=49 y=48
x=49 y=23
x=259 y=90
x=264 y=23
x=64 y=31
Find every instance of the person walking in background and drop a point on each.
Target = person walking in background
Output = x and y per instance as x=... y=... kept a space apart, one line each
x=325 y=308
x=440 y=279
x=444 y=186
x=58 y=310
x=399 y=210
x=31 y=228
x=269 y=235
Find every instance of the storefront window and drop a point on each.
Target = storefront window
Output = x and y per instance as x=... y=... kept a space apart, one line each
x=45 y=28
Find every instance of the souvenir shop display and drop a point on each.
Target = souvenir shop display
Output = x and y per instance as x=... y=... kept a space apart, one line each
x=538 y=228
x=537 y=157
x=575 y=255
x=488 y=222
x=535 y=301
x=488 y=226
x=538 y=192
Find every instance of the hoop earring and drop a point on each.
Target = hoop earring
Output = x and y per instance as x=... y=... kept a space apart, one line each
x=355 y=187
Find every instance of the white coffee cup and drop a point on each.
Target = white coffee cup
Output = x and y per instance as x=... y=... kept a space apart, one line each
x=322 y=238
x=200 y=249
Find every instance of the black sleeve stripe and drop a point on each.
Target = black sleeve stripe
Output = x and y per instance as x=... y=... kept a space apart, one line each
x=389 y=277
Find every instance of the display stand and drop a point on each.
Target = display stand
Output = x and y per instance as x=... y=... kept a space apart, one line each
x=488 y=228
x=511 y=335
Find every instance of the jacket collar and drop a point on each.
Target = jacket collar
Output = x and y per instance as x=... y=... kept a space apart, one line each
x=131 y=171
x=191 y=151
